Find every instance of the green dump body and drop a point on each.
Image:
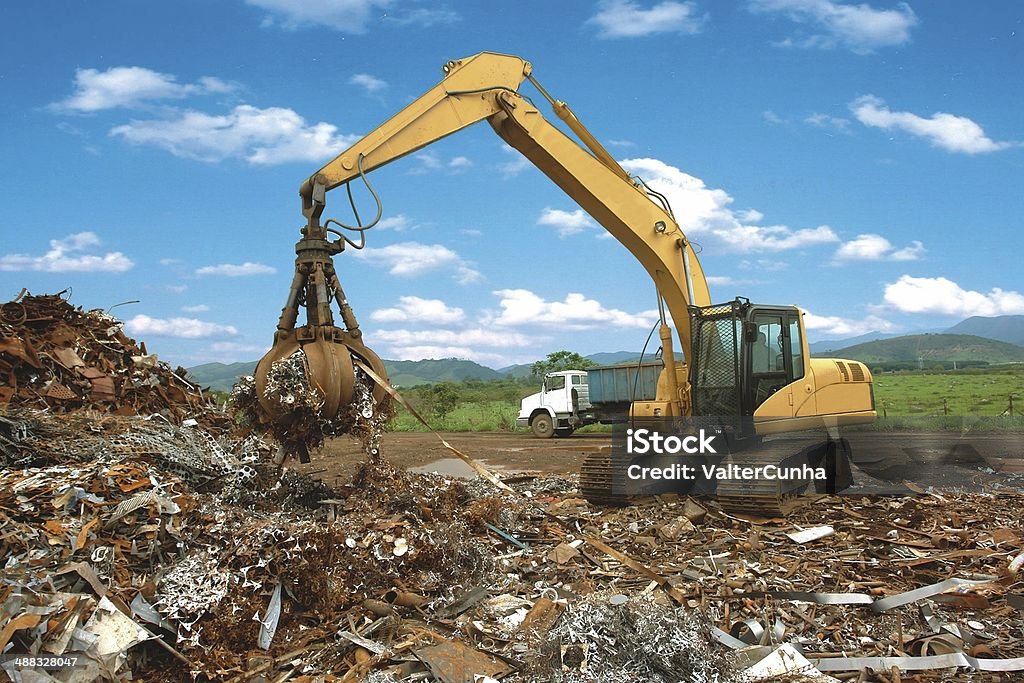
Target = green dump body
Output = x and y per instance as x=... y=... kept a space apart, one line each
x=620 y=385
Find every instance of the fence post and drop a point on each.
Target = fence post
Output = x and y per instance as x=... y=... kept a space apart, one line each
x=945 y=407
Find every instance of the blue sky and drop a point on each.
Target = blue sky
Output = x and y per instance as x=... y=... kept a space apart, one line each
x=863 y=161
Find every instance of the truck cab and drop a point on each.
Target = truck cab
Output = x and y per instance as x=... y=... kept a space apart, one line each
x=559 y=407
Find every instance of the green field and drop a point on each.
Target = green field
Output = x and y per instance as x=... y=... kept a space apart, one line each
x=955 y=392
x=477 y=406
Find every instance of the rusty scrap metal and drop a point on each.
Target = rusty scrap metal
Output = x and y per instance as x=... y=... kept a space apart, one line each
x=54 y=356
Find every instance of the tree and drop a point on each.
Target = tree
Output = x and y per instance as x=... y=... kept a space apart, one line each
x=445 y=398
x=561 y=360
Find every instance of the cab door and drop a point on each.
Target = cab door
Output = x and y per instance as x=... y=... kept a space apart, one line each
x=773 y=360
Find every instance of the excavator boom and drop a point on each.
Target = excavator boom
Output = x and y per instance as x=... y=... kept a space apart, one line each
x=486 y=87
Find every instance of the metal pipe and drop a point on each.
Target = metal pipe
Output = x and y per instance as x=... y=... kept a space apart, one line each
x=683 y=244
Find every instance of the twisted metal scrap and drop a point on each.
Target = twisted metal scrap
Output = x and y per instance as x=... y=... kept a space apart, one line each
x=640 y=640
x=307 y=426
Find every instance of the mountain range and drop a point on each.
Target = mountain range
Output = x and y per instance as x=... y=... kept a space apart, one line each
x=927 y=348
x=991 y=340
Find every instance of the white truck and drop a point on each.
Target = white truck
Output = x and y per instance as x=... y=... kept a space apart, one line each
x=559 y=407
x=571 y=399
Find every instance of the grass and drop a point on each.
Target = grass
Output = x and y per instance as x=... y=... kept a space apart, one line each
x=902 y=397
x=953 y=392
x=483 y=416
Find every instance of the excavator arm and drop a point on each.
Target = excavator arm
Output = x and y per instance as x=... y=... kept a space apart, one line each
x=486 y=86
x=800 y=394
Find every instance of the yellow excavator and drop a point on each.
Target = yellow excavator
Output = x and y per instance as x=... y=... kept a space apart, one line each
x=740 y=359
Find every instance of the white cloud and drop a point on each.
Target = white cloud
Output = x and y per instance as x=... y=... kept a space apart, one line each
x=398 y=223
x=627 y=19
x=772 y=117
x=126 y=86
x=415 y=309
x=871 y=247
x=720 y=280
x=235 y=348
x=473 y=344
x=370 y=84
x=237 y=270
x=64 y=256
x=830 y=325
x=468 y=337
x=227 y=352
x=566 y=222
x=410 y=259
x=951 y=133
x=182 y=328
x=350 y=16
x=829 y=122
x=274 y=135
x=424 y=17
x=703 y=211
x=775 y=237
x=429 y=161
x=943 y=296
x=347 y=16
x=428 y=351
x=517 y=162
x=198 y=308
x=523 y=307
x=764 y=265
x=860 y=28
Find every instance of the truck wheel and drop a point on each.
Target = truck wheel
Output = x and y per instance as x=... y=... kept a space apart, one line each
x=542 y=426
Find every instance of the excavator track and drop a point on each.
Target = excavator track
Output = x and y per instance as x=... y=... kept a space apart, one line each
x=756 y=497
x=765 y=497
x=596 y=481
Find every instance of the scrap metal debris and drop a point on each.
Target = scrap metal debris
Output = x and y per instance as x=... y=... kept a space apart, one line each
x=400 y=576
x=59 y=358
x=307 y=424
x=158 y=548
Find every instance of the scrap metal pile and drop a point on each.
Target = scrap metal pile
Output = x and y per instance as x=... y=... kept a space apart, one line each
x=144 y=547
x=138 y=546
x=151 y=547
x=308 y=423
x=56 y=357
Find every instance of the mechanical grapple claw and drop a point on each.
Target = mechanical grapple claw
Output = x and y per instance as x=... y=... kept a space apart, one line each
x=327 y=351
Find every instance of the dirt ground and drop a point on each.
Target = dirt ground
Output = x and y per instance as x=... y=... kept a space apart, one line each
x=500 y=451
x=884 y=463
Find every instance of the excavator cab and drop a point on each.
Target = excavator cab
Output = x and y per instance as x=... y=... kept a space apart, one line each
x=743 y=354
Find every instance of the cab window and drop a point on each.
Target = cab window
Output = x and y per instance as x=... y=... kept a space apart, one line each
x=766 y=351
x=775 y=349
x=796 y=349
x=555 y=383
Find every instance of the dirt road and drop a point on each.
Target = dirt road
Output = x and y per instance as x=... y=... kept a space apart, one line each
x=425 y=453
x=938 y=459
